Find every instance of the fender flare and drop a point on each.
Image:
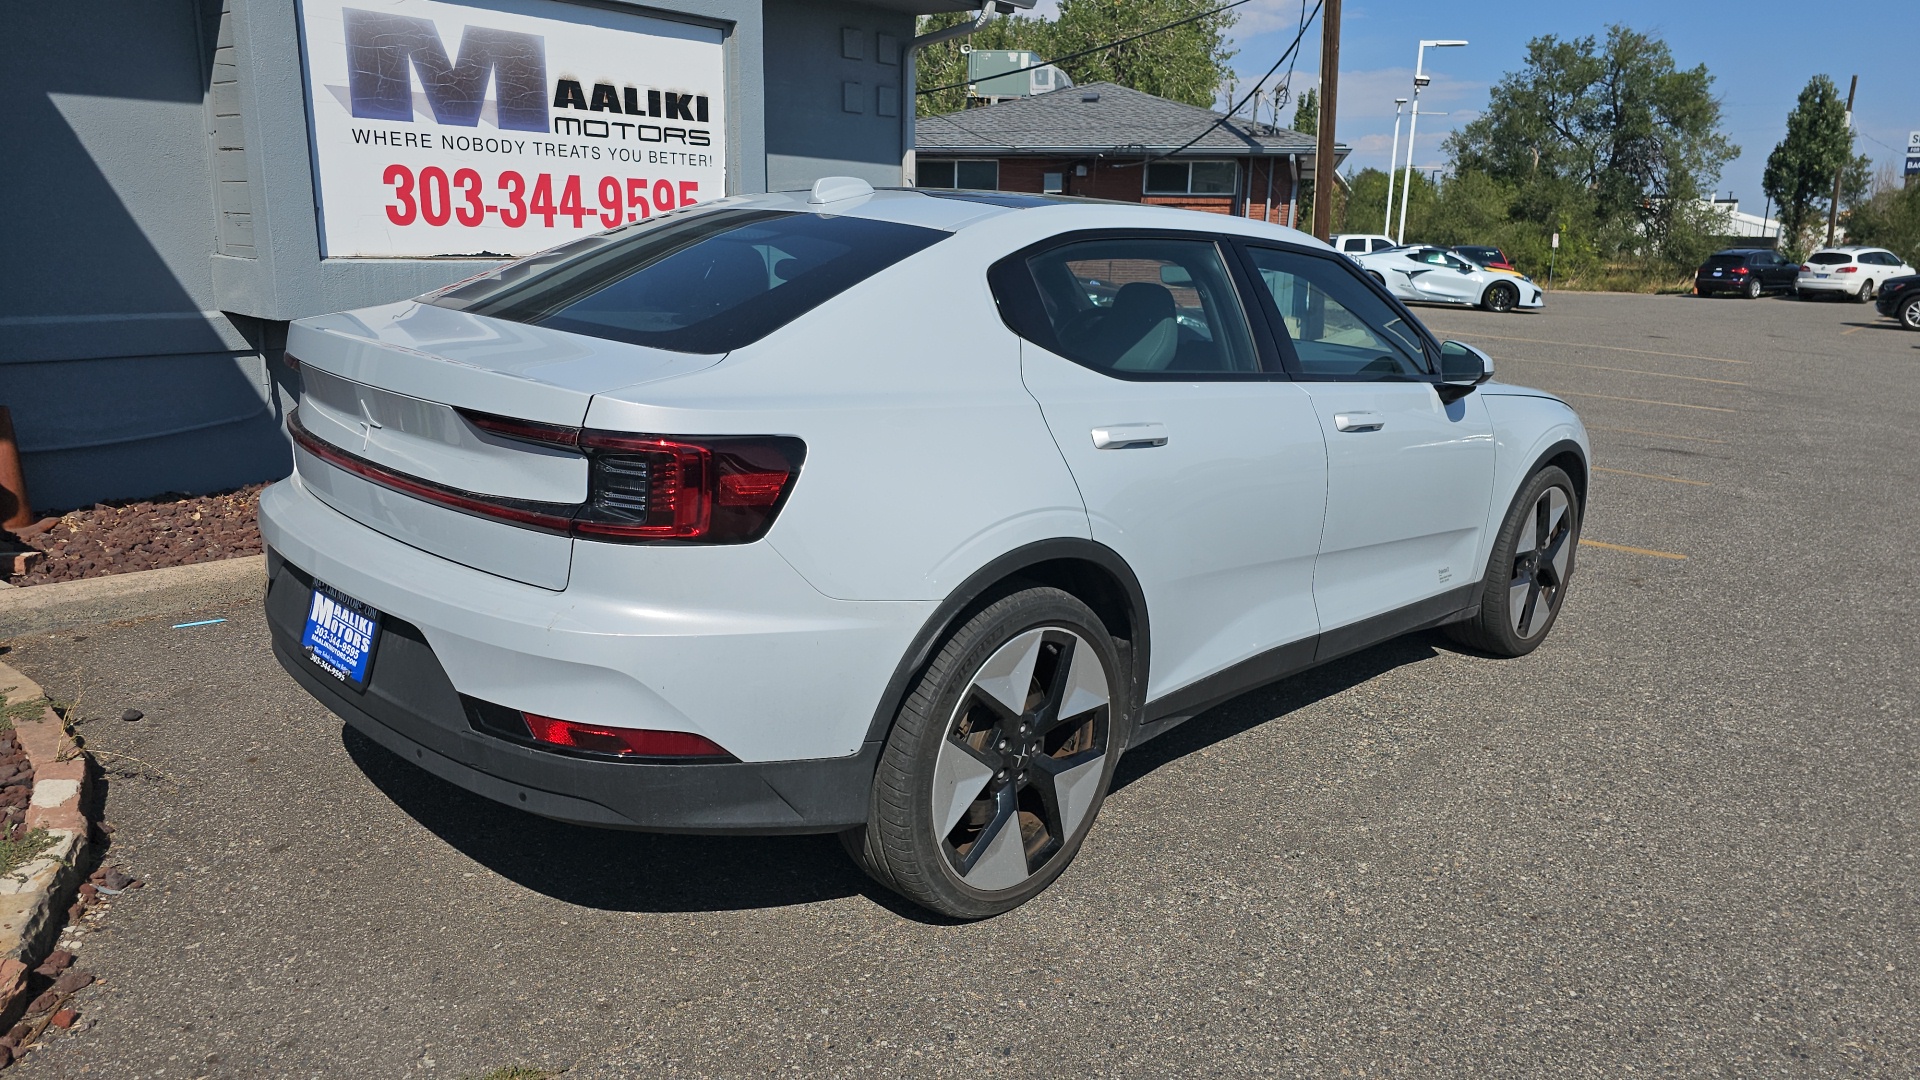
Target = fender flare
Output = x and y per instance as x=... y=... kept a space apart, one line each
x=980 y=588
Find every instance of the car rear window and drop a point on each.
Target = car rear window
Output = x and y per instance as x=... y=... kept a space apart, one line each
x=1830 y=258
x=1726 y=260
x=708 y=283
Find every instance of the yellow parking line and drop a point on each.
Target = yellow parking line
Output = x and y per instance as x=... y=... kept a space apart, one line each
x=1633 y=550
x=1656 y=434
x=1644 y=401
x=1627 y=370
x=1653 y=476
x=1613 y=348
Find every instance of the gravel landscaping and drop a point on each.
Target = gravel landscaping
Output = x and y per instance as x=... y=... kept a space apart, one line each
x=120 y=537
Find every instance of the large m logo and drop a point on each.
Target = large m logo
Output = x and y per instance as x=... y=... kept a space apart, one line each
x=383 y=52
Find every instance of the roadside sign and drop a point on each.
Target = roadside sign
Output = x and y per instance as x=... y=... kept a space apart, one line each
x=1556 y=241
x=1913 y=153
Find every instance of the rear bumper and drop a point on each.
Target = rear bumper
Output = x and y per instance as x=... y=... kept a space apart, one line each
x=1838 y=285
x=411 y=708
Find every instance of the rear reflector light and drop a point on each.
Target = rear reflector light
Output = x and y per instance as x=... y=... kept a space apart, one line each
x=622 y=742
x=1848 y=270
x=722 y=490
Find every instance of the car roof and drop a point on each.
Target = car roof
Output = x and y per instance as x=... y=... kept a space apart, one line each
x=1849 y=249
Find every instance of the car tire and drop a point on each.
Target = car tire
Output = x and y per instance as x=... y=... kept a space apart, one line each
x=1036 y=778
x=1500 y=297
x=1753 y=289
x=1531 y=565
x=1909 y=313
x=1865 y=294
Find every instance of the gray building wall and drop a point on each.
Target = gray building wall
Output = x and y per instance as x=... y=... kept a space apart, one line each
x=165 y=227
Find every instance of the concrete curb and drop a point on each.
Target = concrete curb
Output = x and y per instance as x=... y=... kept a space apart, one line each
x=34 y=895
x=172 y=590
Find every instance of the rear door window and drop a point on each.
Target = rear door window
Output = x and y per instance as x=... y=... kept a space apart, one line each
x=708 y=283
x=1137 y=308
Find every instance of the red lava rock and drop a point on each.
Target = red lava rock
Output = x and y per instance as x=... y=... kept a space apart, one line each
x=56 y=962
x=65 y=1018
x=75 y=910
x=6 y=1055
x=71 y=981
x=18 y=1032
x=88 y=893
x=169 y=530
x=43 y=1004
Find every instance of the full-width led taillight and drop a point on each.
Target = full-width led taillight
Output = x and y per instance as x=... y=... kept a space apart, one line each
x=720 y=490
x=622 y=742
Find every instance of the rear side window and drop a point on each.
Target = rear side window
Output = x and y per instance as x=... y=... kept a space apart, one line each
x=1138 y=307
x=708 y=283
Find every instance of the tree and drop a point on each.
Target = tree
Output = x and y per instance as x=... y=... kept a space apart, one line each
x=1306 y=113
x=1187 y=63
x=1890 y=218
x=1616 y=134
x=1799 y=176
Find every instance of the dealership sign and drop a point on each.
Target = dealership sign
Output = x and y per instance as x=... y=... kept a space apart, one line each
x=1913 y=152
x=454 y=129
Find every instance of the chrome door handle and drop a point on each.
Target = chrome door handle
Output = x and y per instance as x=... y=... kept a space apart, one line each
x=1129 y=436
x=1359 y=421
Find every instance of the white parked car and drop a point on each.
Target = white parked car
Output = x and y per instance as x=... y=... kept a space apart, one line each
x=1433 y=275
x=1355 y=244
x=1853 y=271
x=895 y=514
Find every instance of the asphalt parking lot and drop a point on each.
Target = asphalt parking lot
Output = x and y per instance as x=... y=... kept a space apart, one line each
x=1680 y=838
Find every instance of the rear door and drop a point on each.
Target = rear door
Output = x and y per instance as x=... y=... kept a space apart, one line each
x=1409 y=476
x=1199 y=461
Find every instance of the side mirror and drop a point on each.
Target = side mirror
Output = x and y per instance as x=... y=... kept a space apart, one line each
x=1462 y=367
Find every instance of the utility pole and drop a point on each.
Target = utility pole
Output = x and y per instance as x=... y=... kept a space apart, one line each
x=1833 y=208
x=1329 y=94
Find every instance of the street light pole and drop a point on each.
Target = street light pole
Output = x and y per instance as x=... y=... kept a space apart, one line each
x=1393 y=160
x=1420 y=79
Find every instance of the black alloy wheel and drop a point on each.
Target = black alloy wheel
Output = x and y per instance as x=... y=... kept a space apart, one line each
x=1528 y=573
x=1909 y=313
x=1500 y=297
x=999 y=760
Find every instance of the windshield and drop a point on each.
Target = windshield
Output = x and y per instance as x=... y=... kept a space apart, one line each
x=708 y=283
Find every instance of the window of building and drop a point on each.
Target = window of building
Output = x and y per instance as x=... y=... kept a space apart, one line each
x=1053 y=183
x=971 y=175
x=1192 y=177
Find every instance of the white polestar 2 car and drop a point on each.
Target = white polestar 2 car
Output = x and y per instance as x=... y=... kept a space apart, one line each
x=1432 y=275
x=897 y=514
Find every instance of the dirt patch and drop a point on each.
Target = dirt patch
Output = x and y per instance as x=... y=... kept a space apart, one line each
x=120 y=537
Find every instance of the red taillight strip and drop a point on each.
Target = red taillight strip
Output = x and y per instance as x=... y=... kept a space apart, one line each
x=547 y=517
x=527 y=430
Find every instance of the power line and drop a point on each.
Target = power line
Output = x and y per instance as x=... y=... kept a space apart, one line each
x=1256 y=89
x=1096 y=48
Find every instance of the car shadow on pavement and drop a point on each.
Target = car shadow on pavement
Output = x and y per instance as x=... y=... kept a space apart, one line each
x=607 y=868
x=631 y=871
x=1266 y=703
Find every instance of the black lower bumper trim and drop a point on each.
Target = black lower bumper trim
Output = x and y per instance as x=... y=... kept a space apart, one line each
x=411 y=708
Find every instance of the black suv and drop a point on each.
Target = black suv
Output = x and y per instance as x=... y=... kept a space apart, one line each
x=1750 y=272
x=1900 y=299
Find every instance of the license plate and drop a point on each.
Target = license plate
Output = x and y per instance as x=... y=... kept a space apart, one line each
x=340 y=635
x=1819 y=275
x=1716 y=273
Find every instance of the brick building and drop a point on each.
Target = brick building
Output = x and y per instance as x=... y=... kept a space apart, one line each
x=1104 y=141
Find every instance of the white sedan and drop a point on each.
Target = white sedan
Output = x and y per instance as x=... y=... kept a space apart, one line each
x=896 y=514
x=1434 y=275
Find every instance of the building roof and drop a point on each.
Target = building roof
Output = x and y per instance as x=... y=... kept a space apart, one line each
x=1101 y=118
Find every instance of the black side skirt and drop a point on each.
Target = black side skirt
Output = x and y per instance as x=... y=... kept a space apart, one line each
x=1163 y=714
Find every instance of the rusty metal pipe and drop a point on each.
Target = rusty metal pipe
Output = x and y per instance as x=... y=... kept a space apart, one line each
x=16 y=510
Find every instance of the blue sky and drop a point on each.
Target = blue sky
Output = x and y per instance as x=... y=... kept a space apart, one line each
x=1760 y=54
